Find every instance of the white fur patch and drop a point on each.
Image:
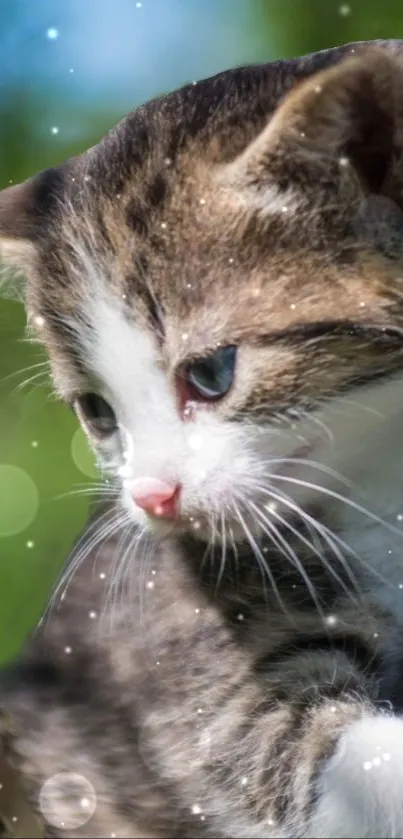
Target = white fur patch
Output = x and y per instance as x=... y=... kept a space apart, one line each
x=271 y=200
x=361 y=787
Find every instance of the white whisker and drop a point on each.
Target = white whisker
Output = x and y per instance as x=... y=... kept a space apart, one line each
x=336 y=495
x=263 y=565
x=292 y=556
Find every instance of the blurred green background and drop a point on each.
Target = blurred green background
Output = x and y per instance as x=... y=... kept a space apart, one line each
x=69 y=70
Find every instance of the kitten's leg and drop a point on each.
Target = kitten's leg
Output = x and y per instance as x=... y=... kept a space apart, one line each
x=319 y=759
x=360 y=788
x=334 y=771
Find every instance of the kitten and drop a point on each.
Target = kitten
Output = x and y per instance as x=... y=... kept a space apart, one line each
x=219 y=285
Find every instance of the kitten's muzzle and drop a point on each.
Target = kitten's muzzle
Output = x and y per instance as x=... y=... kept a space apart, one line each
x=157 y=498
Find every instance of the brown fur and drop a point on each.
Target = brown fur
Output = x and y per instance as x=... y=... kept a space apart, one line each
x=203 y=711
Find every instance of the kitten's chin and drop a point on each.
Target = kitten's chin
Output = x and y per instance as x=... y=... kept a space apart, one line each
x=203 y=528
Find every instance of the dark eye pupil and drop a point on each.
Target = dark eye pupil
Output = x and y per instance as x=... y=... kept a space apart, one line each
x=212 y=377
x=97 y=414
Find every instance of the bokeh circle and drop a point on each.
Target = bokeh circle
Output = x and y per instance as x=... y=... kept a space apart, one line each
x=82 y=455
x=19 y=499
x=67 y=800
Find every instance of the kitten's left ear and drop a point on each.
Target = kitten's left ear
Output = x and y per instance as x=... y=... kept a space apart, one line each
x=341 y=128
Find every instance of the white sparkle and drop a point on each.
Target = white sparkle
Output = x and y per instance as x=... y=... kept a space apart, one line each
x=318 y=89
x=333 y=709
x=231 y=260
x=344 y=161
x=163 y=225
x=376 y=761
x=345 y=11
x=150 y=584
x=400 y=585
x=85 y=803
x=138 y=4
x=185 y=336
x=102 y=576
x=284 y=209
x=196 y=525
x=399 y=517
x=362 y=305
x=39 y=320
x=14 y=819
x=375 y=634
x=202 y=201
x=30 y=543
x=124 y=296
x=367 y=765
x=331 y=620
x=87 y=178
x=195 y=441
x=153 y=572
x=386 y=756
x=196 y=809
x=240 y=616
x=54 y=129
x=125 y=470
x=92 y=615
x=292 y=306
x=52 y=33
x=168 y=161
x=244 y=781
x=34 y=444
x=67 y=650
x=71 y=70
x=197 y=611
x=271 y=507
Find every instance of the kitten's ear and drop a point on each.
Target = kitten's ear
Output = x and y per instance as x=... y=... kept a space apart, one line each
x=26 y=210
x=343 y=127
x=17 y=227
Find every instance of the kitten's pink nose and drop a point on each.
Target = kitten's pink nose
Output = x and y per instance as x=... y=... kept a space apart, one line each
x=156 y=497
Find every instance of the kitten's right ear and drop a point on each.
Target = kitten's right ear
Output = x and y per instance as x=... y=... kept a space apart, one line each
x=17 y=228
x=26 y=210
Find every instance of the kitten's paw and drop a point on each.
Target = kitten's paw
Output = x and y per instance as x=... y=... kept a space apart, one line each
x=361 y=787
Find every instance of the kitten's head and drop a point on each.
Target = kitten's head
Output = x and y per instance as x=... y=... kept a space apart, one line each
x=219 y=285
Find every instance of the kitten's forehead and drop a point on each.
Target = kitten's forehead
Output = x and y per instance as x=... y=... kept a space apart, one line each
x=159 y=216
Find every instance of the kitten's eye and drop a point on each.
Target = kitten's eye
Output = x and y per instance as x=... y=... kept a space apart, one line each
x=96 y=414
x=212 y=377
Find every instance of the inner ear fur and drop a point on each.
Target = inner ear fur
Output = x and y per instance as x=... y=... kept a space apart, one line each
x=343 y=123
